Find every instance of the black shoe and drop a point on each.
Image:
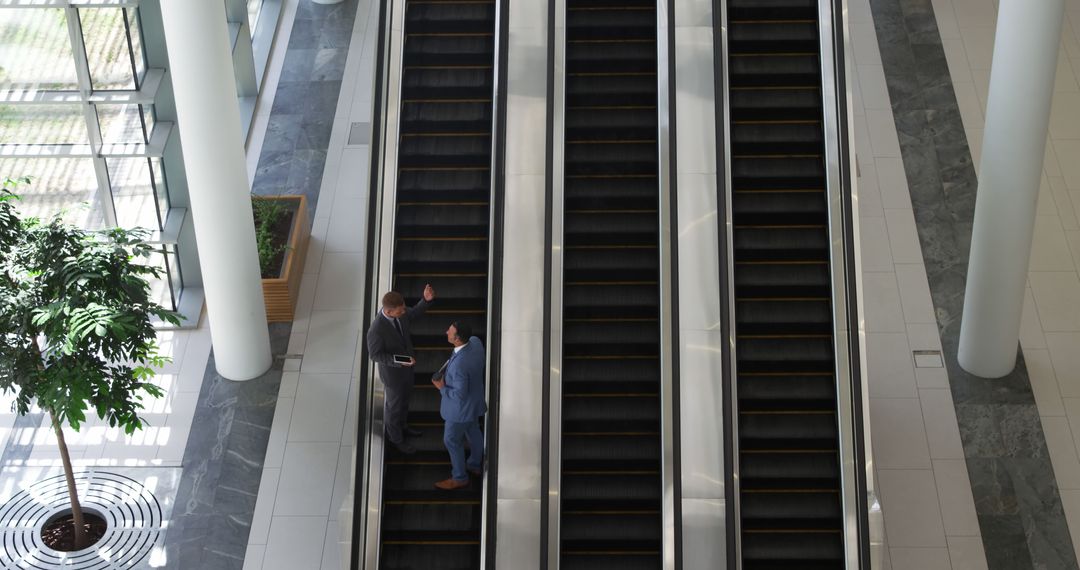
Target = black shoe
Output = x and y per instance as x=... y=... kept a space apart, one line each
x=404 y=448
x=412 y=432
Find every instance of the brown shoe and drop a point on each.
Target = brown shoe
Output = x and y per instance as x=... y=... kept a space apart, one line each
x=451 y=484
x=476 y=472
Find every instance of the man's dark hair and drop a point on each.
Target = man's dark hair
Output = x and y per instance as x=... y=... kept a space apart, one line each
x=464 y=331
x=392 y=300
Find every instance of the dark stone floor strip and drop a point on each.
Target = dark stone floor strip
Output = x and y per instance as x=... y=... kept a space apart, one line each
x=223 y=460
x=1016 y=496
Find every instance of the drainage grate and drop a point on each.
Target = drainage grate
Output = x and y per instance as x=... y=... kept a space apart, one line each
x=134 y=515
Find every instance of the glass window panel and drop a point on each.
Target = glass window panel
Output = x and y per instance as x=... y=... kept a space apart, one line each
x=133 y=193
x=121 y=123
x=157 y=170
x=106 y=48
x=135 y=26
x=58 y=184
x=175 y=276
x=42 y=124
x=253 y=7
x=35 y=50
x=163 y=289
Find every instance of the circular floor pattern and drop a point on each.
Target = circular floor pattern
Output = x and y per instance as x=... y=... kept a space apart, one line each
x=133 y=513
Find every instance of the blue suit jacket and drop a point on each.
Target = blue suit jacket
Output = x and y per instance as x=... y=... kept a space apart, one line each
x=463 y=394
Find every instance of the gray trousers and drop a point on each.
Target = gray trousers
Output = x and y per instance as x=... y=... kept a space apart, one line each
x=396 y=407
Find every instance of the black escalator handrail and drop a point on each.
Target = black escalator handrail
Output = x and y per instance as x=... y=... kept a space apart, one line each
x=850 y=358
x=495 y=265
x=364 y=426
x=726 y=248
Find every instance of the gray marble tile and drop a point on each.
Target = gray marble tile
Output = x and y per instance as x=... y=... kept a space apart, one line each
x=305 y=34
x=298 y=64
x=291 y=98
x=309 y=10
x=1005 y=542
x=274 y=167
x=329 y=64
x=306 y=170
x=314 y=132
x=281 y=132
x=335 y=34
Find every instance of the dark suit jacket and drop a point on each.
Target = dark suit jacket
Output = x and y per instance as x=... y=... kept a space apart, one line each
x=463 y=394
x=383 y=342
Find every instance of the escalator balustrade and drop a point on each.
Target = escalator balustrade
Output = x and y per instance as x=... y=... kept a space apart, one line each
x=789 y=478
x=611 y=463
x=441 y=237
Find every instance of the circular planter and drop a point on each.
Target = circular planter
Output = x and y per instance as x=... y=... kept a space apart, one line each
x=133 y=515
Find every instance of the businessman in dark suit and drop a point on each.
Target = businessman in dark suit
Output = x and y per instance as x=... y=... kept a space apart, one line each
x=461 y=385
x=389 y=335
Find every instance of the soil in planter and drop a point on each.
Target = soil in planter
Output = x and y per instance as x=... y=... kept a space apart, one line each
x=60 y=533
x=279 y=241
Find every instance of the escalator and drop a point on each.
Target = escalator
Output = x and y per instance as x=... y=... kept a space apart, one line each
x=441 y=237
x=610 y=510
x=789 y=470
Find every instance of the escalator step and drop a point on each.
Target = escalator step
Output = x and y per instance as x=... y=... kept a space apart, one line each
x=442 y=517
x=598 y=450
x=795 y=243
x=786 y=430
x=612 y=412
x=790 y=509
x=782 y=278
x=790 y=469
x=775 y=70
x=786 y=103
x=608 y=560
x=771 y=9
x=447 y=18
x=793 y=354
x=782 y=36
x=790 y=316
x=615 y=491
x=776 y=138
x=446 y=115
x=805 y=549
x=464 y=50
x=604 y=93
x=449 y=554
x=609 y=25
x=787 y=392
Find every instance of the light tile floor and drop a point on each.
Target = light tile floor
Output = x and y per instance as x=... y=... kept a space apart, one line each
x=1050 y=332
x=161 y=443
x=922 y=478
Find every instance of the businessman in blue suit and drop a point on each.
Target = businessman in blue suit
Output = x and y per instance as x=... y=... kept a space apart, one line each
x=461 y=384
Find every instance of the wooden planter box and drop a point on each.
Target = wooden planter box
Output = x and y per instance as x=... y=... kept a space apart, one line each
x=280 y=293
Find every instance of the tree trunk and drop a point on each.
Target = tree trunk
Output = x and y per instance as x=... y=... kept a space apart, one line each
x=73 y=494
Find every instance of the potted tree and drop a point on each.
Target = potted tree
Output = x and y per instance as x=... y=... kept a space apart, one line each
x=281 y=235
x=76 y=332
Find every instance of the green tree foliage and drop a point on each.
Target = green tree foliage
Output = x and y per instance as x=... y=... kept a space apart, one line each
x=76 y=322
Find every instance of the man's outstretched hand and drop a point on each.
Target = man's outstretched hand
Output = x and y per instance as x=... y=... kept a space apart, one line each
x=429 y=293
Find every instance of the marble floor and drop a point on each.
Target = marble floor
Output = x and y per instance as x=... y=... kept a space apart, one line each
x=283 y=508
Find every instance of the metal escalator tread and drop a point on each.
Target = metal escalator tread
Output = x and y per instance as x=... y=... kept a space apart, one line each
x=610 y=514
x=441 y=232
x=789 y=478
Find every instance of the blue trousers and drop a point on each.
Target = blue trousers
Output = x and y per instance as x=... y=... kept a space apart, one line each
x=454 y=436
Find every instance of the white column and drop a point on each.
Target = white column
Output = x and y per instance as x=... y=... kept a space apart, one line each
x=208 y=116
x=1017 y=117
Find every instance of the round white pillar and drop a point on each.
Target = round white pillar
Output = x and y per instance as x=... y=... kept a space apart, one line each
x=208 y=116
x=1017 y=116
